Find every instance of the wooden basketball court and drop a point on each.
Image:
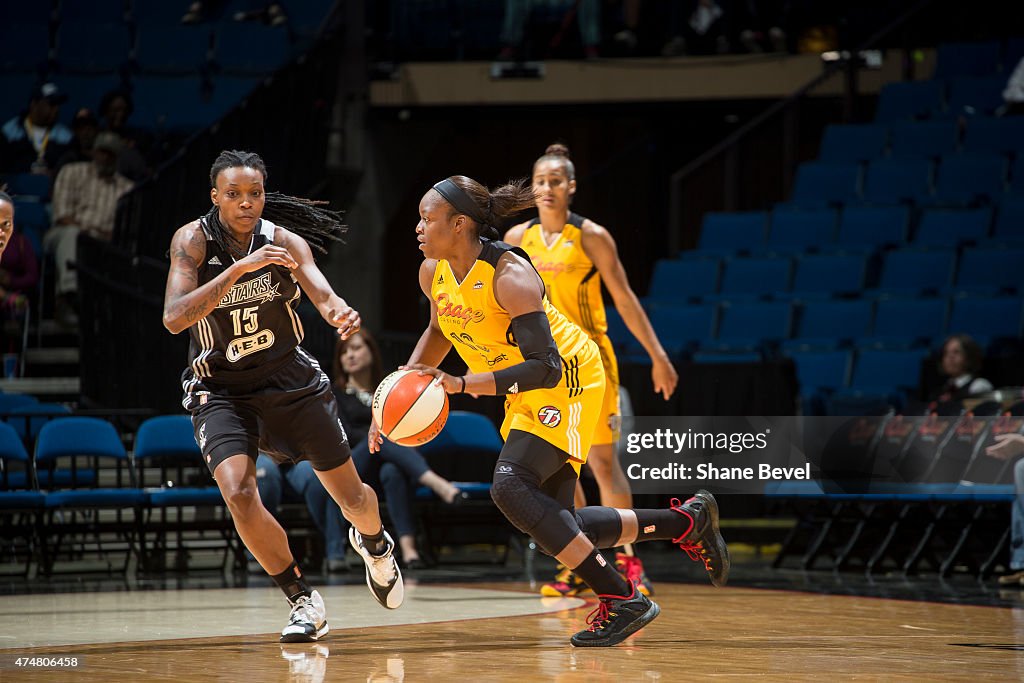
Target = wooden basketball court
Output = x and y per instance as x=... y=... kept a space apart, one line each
x=506 y=632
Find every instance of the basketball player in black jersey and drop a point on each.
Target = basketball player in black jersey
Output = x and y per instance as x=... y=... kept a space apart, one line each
x=234 y=283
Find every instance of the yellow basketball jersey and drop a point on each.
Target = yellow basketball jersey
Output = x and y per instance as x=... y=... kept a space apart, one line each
x=572 y=280
x=479 y=328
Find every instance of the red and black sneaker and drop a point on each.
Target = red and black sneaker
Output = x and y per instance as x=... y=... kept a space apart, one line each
x=565 y=585
x=616 y=618
x=632 y=568
x=703 y=541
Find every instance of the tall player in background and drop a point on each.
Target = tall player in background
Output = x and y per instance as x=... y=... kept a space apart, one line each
x=488 y=301
x=574 y=255
x=234 y=284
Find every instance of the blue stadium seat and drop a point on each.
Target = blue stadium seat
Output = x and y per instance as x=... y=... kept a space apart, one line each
x=873 y=226
x=751 y=324
x=923 y=139
x=93 y=48
x=756 y=276
x=994 y=135
x=14 y=402
x=970 y=178
x=234 y=53
x=975 y=96
x=853 y=142
x=157 y=13
x=823 y=182
x=168 y=442
x=887 y=368
x=991 y=266
x=171 y=49
x=24 y=186
x=1010 y=220
x=28 y=420
x=92 y=11
x=23 y=48
x=32 y=215
x=966 y=59
x=1013 y=54
x=617 y=330
x=170 y=103
x=826 y=324
x=830 y=274
x=952 y=227
x=909 y=100
x=1017 y=176
x=677 y=280
x=986 y=318
x=917 y=270
x=905 y=322
x=85 y=91
x=801 y=229
x=732 y=232
x=890 y=181
x=822 y=369
x=678 y=328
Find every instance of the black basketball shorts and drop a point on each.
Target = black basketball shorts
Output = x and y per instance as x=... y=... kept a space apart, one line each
x=290 y=415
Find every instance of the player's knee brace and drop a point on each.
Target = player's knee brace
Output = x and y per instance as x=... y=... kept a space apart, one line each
x=534 y=513
x=602 y=525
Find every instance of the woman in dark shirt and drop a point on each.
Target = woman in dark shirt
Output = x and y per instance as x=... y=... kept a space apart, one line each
x=397 y=470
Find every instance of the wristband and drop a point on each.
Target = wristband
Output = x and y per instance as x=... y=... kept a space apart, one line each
x=463 y=389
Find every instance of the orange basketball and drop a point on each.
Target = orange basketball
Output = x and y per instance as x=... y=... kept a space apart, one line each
x=409 y=408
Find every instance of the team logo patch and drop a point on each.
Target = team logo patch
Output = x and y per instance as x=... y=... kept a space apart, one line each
x=649 y=529
x=215 y=261
x=478 y=285
x=549 y=416
x=258 y=290
x=239 y=348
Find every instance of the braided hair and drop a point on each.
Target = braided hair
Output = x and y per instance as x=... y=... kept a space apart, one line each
x=498 y=204
x=304 y=217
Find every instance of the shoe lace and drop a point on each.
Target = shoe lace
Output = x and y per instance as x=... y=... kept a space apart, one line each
x=384 y=566
x=694 y=549
x=601 y=616
x=303 y=610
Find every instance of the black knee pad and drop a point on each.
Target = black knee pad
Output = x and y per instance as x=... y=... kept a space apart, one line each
x=532 y=511
x=602 y=525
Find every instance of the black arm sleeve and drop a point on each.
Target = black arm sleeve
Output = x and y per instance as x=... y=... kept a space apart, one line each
x=541 y=367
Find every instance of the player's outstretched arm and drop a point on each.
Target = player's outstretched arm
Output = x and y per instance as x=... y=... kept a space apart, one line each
x=331 y=307
x=600 y=247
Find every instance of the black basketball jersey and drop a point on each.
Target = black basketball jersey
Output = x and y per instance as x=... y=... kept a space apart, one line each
x=255 y=328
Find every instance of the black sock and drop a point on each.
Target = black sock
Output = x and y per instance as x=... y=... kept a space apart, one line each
x=292 y=583
x=601 y=576
x=376 y=543
x=657 y=525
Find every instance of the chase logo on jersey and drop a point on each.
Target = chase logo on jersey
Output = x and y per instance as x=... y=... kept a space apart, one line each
x=243 y=346
x=463 y=315
x=549 y=416
x=256 y=290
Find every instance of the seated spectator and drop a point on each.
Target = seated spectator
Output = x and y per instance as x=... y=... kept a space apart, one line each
x=287 y=483
x=517 y=15
x=84 y=129
x=84 y=200
x=396 y=470
x=116 y=108
x=960 y=364
x=33 y=141
x=1008 y=446
x=19 y=274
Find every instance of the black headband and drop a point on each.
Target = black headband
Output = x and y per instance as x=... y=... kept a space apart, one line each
x=462 y=202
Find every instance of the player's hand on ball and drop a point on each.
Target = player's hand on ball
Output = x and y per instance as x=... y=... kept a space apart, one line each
x=347 y=321
x=451 y=385
x=374 y=439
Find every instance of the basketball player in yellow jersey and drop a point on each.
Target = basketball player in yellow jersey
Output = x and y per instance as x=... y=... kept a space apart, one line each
x=574 y=255
x=488 y=301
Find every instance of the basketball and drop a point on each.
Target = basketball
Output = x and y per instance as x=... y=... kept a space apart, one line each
x=409 y=408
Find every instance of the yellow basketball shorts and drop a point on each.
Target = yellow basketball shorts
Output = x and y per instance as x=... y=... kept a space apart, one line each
x=607 y=430
x=567 y=415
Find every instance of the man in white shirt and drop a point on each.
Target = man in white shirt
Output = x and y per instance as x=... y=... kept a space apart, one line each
x=85 y=197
